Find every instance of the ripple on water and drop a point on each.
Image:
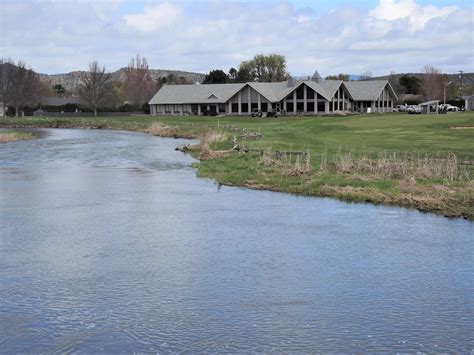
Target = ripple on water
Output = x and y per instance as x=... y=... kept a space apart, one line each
x=111 y=244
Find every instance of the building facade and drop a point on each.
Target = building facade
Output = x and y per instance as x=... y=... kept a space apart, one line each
x=288 y=97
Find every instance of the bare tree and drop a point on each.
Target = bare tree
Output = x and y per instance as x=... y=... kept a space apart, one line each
x=395 y=83
x=432 y=83
x=366 y=76
x=139 y=85
x=19 y=86
x=95 y=86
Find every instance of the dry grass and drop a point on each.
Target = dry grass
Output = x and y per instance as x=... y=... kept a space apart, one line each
x=162 y=130
x=8 y=137
x=289 y=164
x=407 y=166
x=207 y=137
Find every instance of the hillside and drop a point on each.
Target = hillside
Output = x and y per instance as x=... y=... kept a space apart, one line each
x=70 y=81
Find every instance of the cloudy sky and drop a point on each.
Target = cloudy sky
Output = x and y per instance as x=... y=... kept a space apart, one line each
x=55 y=36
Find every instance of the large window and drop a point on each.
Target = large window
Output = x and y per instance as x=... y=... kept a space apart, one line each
x=310 y=93
x=264 y=107
x=300 y=92
x=289 y=107
x=235 y=108
x=245 y=107
x=310 y=107
x=321 y=107
x=300 y=107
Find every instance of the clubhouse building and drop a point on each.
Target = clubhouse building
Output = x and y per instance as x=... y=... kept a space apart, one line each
x=291 y=97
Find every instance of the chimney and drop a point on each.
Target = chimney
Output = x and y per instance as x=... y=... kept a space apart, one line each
x=291 y=82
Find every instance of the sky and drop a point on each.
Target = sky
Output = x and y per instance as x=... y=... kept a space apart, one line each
x=337 y=36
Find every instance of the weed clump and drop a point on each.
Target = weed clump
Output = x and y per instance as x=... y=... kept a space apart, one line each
x=206 y=138
x=407 y=166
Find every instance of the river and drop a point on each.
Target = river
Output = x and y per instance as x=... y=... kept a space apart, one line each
x=109 y=242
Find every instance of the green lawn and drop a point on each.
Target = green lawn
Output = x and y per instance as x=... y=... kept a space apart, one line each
x=369 y=135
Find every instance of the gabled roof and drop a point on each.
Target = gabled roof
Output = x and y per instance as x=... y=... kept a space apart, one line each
x=273 y=92
x=318 y=88
x=186 y=94
x=367 y=90
x=330 y=87
x=282 y=89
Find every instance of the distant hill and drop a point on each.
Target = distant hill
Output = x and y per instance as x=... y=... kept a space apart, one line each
x=70 y=81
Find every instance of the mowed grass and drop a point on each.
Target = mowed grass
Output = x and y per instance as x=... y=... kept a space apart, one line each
x=372 y=135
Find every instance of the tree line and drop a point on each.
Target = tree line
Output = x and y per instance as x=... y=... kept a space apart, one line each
x=264 y=68
x=21 y=87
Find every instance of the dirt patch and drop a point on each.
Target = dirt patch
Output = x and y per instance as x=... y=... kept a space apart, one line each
x=462 y=127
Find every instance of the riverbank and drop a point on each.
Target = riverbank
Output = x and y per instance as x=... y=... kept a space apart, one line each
x=12 y=136
x=392 y=159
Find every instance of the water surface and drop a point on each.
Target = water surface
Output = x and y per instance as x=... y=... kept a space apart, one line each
x=110 y=243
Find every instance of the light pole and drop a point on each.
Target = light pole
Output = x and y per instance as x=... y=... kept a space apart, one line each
x=460 y=86
x=445 y=86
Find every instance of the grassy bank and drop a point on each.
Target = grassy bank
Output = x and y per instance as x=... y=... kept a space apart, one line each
x=11 y=136
x=423 y=162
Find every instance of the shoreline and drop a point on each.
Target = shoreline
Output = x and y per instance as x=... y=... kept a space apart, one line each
x=231 y=168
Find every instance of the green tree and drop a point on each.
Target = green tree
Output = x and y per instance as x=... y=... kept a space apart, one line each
x=411 y=84
x=265 y=68
x=59 y=89
x=215 y=77
x=233 y=73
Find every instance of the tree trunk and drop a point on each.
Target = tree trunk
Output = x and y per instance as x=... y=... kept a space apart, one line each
x=95 y=111
x=17 y=108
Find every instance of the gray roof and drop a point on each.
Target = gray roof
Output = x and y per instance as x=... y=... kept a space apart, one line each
x=186 y=94
x=330 y=87
x=320 y=89
x=273 y=92
x=221 y=93
x=367 y=90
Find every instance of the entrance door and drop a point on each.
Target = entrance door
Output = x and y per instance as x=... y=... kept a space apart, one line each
x=213 y=110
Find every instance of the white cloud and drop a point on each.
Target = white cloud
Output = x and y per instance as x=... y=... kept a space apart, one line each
x=416 y=15
x=154 y=18
x=217 y=34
